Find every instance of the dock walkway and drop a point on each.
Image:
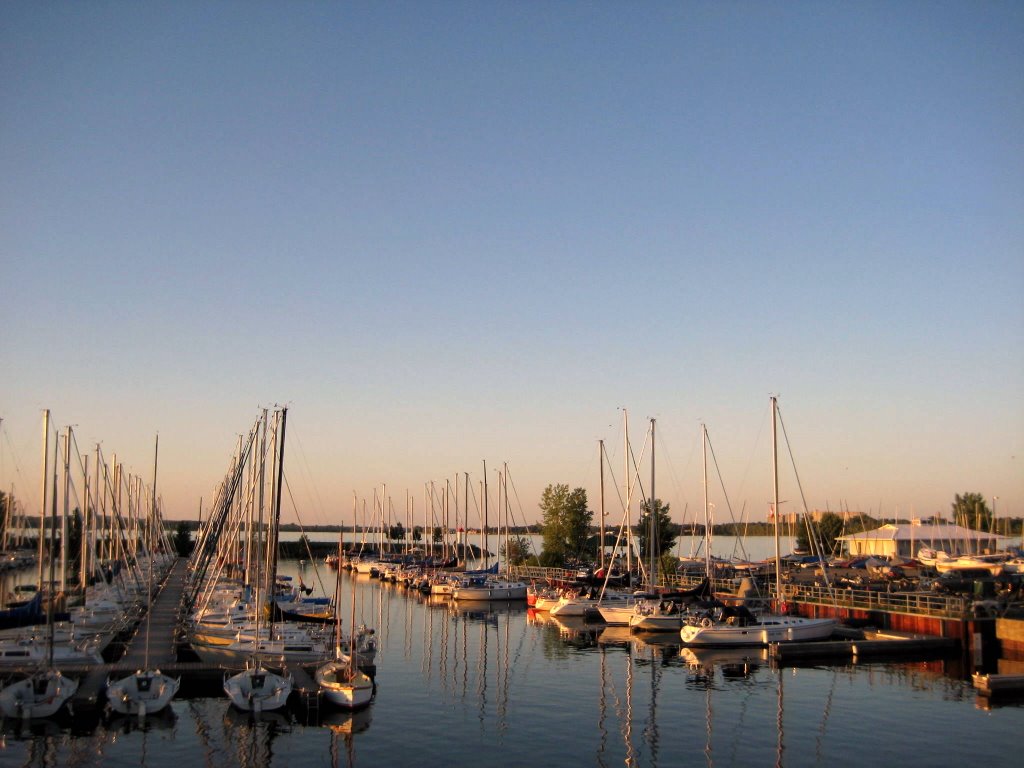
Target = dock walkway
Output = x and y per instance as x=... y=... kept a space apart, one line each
x=159 y=629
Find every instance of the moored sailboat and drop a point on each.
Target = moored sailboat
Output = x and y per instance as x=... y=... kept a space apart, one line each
x=724 y=626
x=340 y=680
x=147 y=691
x=45 y=692
x=256 y=688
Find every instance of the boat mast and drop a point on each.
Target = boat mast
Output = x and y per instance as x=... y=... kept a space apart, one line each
x=458 y=539
x=98 y=515
x=487 y=554
x=707 y=506
x=629 y=487
x=385 y=516
x=64 y=517
x=444 y=517
x=650 y=513
x=50 y=607
x=43 y=509
x=775 y=497
x=351 y=629
x=149 y=551
x=337 y=600
x=87 y=528
x=508 y=540
x=261 y=478
x=276 y=520
x=600 y=456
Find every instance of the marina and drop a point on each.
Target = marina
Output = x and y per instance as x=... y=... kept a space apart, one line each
x=505 y=676
x=276 y=646
x=411 y=381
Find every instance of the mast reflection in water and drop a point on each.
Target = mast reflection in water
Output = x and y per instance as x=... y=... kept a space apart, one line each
x=459 y=684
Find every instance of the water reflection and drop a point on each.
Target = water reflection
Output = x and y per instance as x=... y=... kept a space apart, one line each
x=343 y=727
x=540 y=690
x=163 y=720
x=733 y=663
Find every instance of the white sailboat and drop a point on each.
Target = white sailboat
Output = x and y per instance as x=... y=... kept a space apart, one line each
x=485 y=587
x=725 y=626
x=45 y=692
x=341 y=681
x=257 y=689
x=654 y=614
x=147 y=691
x=38 y=696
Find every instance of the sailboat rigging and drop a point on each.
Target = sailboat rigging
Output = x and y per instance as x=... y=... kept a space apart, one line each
x=340 y=680
x=45 y=692
x=147 y=690
x=256 y=688
x=737 y=626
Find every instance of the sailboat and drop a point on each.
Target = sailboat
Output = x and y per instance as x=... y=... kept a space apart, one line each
x=341 y=681
x=42 y=694
x=256 y=688
x=737 y=626
x=482 y=586
x=147 y=690
x=655 y=614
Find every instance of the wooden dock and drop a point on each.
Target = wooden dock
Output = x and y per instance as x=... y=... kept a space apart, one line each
x=159 y=628
x=162 y=654
x=991 y=685
x=878 y=646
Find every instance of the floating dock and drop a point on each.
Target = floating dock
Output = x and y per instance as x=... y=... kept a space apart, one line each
x=993 y=685
x=162 y=654
x=873 y=645
x=153 y=642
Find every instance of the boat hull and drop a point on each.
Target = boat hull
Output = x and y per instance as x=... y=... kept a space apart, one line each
x=258 y=690
x=348 y=691
x=655 y=623
x=37 y=696
x=142 y=693
x=488 y=592
x=769 y=629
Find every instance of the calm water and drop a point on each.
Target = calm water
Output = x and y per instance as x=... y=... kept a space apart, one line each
x=727 y=547
x=460 y=686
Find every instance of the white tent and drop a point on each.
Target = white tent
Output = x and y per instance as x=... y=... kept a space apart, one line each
x=905 y=539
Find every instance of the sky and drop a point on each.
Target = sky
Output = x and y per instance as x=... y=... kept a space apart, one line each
x=444 y=233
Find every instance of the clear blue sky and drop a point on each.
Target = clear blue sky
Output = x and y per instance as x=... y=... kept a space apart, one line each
x=452 y=231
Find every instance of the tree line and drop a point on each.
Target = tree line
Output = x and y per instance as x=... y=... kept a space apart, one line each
x=567 y=528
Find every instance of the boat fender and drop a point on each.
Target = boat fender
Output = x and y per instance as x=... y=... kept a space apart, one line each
x=705 y=622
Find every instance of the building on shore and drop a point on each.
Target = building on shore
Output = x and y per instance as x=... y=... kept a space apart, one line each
x=906 y=539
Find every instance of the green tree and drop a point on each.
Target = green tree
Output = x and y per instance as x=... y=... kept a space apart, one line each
x=417 y=533
x=518 y=550
x=971 y=511
x=396 y=532
x=664 y=530
x=437 y=534
x=74 y=540
x=826 y=531
x=566 y=524
x=183 y=543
